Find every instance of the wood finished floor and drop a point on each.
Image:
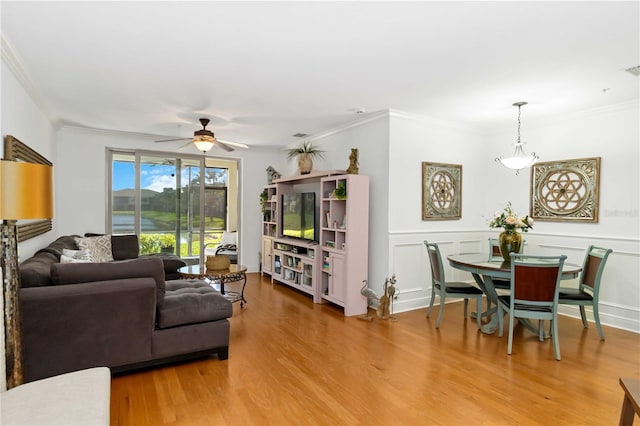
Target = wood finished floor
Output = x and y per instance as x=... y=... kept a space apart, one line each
x=295 y=362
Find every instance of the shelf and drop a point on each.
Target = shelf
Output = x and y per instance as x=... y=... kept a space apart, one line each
x=330 y=274
x=314 y=175
x=332 y=300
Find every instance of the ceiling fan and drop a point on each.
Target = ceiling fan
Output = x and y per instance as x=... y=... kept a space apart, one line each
x=205 y=139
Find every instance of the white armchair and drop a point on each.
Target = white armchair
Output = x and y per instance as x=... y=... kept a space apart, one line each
x=228 y=246
x=77 y=398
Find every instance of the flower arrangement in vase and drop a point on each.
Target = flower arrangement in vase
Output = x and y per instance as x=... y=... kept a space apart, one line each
x=510 y=239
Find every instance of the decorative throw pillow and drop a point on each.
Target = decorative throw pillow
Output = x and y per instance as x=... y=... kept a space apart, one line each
x=67 y=259
x=99 y=248
x=229 y=237
x=76 y=254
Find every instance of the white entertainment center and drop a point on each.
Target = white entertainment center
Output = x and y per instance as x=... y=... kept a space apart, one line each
x=333 y=267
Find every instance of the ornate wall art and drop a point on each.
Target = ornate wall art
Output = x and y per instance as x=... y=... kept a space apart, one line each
x=441 y=191
x=566 y=191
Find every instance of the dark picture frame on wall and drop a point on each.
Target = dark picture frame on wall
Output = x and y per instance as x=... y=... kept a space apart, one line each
x=441 y=191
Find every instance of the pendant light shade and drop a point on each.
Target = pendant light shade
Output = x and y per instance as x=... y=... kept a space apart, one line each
x=519 y=160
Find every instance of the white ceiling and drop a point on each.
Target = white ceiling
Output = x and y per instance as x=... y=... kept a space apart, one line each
x=263 y=71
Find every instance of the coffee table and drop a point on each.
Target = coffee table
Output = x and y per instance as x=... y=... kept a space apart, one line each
x=233 y=273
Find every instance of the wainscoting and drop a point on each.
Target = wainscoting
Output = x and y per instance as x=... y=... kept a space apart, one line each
x=619 y=294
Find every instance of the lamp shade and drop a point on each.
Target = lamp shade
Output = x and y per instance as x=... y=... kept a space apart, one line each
x=519 y=160
x=26 y=190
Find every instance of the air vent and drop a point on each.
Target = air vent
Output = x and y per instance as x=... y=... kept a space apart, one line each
x=634 y=70
x=300 y=135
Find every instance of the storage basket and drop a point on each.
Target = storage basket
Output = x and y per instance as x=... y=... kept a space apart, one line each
x=218 y=262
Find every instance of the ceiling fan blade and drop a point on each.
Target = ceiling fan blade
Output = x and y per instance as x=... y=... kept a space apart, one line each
x=174 y=140
x=186 y=144
x=236 y=144
x=223 y=145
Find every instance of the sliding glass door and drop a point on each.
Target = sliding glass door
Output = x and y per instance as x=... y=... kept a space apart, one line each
x=158 y=197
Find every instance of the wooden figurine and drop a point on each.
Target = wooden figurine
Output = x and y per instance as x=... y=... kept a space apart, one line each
x=353 y=162
x=386 y=300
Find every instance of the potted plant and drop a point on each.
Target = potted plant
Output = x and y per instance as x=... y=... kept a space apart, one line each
x=167 y=243
x=306 y=153
x=341 y=191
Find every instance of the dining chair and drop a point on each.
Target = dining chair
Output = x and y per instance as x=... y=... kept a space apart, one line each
x=444 y=289
x=588 y=289
x=535 y=284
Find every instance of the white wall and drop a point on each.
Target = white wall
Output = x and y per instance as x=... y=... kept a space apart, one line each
x=81 y=204
x=371 y=137
x=394 y=144
x=610 y=133
x=415 y=139
x=24 y=119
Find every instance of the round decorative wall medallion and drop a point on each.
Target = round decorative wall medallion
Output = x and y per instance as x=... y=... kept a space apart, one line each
x=441 y=191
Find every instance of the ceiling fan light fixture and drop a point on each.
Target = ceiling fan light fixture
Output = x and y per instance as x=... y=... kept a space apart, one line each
x=519 y=160
x=204 y=143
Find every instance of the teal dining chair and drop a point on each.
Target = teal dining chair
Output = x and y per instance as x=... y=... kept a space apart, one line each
x=588 y=289
x=444 y=289
x=535 y=284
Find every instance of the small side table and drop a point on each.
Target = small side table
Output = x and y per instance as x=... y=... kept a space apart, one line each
x=234 y=273
x=631 y=400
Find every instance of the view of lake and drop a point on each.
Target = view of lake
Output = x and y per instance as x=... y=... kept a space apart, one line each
x=123 y=223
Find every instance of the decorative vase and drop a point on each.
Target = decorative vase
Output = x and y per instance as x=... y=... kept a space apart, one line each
x=305 y=164
x=510 y=242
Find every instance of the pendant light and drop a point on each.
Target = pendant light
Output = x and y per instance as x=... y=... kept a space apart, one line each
x=519 y=160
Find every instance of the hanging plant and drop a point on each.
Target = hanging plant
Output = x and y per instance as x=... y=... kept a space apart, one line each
x=263 y=199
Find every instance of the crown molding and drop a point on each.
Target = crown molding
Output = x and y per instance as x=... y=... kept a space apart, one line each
x=437 y=121
x=374 y=116
x=12 y=59
x=587 y=113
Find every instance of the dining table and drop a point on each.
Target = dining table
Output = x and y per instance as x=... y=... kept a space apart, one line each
x=485 y=268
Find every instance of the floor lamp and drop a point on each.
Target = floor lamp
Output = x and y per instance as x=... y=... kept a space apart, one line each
x=25 y=193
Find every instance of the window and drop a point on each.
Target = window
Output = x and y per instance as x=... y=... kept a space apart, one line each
x=157 y=197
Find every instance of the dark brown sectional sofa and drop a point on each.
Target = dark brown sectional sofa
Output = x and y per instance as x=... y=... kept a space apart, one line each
x=120 y=314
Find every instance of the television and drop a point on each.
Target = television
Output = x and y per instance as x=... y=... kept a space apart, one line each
x=299 y=215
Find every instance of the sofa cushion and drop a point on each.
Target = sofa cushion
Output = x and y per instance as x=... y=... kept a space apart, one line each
x=68 y=259
x=99 y=248
x=171 y=264
x=125 y=247
x=77 y=273
x=192 y=302
x=35 y=271
x=76 y=254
